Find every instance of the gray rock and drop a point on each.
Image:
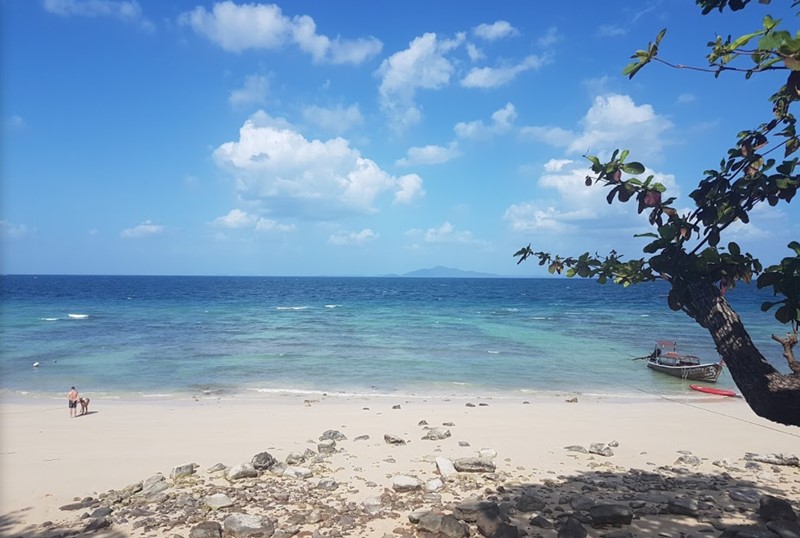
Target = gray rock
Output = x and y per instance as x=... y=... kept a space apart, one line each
x=683 y=506
x=336 y=435
x=437 y=433
x=362 y=438
x=576 y=448
x=445 y=468
x=746 y=531
x=435 y=484
x=541 y=522
x=402 y=483
x=601 y=449
x=775 y=459
x=610 y=514
x=217 y=467
x=247 y=526
x=487 y=453
x=785 y=529
x=692 y=461
x=327 y=484
x=326 y=446
x=474 y=465
x=581 y=502
x=218 y=500
x=572 y=528
x=153 y=486
x=774 y=508
x=444 y=525
x=297 y=472
x=263 y=461
x=295 y=459
x=393 y=439
x=206 y=529
x=97 y=524
x=530 y=503
x=182 y=471
x=745 y=495
x=103 y=511
x=243 y=470
x=488 y=518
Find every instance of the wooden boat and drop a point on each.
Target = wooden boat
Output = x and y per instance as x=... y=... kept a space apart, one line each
x=666 y=359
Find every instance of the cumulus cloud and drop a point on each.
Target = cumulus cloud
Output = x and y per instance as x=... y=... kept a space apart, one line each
x=145 y=229
x=474 y=52
x=550 y=37
x=495 y=31
x=273 y=163
x=237 y=28
x=502 y=122
x=336 y=119
x=254 y=92
x=445 y=234
x=9 y=230
x=127 y=11
x=430 y=154
x=353 y=238
x=236 y=219
x=423 y=65
x=493 y=77
x=611 y=122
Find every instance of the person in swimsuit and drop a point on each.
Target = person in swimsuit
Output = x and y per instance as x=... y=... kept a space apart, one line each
x=72 y=400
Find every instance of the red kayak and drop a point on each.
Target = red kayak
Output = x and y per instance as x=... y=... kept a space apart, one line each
x=711 y=390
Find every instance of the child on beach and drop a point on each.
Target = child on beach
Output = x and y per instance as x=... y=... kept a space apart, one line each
x=84 y=405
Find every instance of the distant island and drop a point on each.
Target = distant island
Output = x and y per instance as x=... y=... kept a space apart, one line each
x=447 y=272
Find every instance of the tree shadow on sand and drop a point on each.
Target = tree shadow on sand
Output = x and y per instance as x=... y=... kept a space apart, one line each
x=17 y=524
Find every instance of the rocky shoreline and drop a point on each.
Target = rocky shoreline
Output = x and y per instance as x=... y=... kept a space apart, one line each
x=305 y=495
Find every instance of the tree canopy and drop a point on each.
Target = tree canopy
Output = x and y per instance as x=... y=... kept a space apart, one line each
x=687 y=250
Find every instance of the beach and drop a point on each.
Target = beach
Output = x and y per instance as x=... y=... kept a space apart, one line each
x=49 y=460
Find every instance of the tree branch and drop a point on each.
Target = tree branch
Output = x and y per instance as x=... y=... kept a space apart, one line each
x=788 y=343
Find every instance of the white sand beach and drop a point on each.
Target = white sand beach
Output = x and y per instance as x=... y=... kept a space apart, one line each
x=48 y=460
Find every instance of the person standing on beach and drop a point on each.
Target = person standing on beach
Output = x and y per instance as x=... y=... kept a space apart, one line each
x=72 y=400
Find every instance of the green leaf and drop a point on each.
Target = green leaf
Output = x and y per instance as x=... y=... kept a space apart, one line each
x=734 y=249
x=766 y=305
x=794 y=245
x=633 y=168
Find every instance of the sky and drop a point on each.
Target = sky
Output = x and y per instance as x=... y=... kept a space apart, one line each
x=353 y=138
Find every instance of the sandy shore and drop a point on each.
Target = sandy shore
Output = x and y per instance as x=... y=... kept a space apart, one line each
x=48 y=460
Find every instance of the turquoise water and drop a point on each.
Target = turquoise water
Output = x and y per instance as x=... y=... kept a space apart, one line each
x=159 y=336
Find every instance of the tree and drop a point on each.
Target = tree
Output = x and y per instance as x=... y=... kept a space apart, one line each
x=686 y=250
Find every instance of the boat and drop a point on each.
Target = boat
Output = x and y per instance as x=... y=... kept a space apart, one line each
x=666 y=359
x=712 y=390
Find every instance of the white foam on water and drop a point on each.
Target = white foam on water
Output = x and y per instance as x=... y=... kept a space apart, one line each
x=78 y=316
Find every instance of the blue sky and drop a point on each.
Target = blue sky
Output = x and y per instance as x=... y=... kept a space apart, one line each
x=351 y=138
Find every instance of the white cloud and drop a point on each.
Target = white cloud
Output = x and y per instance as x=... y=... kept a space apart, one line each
x=555 y=136
x=530 y=217
x=128 y=11
x=337 y=119
x=423 y=65
x=409 y=189
x=236 y=218
x=502 y=122
x=495 y=31
x=430 y=154
x=493 y=77
x=145 y=229
x=254 y=92
x=353 y=238
x=686 y=98
x=237 y=28
x=610 y=30
x=445 y=234
x=268 y=225
x=550 y=37
x=556 y=165
x=474 y=52
x=277 y=165
x=13 y=231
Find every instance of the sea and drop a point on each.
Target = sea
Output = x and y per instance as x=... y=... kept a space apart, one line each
x=245 y=337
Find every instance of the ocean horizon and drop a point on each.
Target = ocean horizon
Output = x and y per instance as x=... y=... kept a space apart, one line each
x=248 y=336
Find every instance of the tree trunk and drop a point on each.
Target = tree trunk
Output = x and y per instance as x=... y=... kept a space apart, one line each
x=769 y=393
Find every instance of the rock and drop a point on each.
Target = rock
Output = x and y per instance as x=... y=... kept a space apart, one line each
x=474 y=465
x=541 y=522
x=773 y=508
x=746 y=531
x=683 y=506
x=576 y=448
x=336 y=435
x=581 y=502
x=785 y=529
x=243 y=470
x=216 y=468
x=610 y=514
x=97 y=524
x=206 y=529
x=445 y=468
x=393 y=439
x=402 y=483
x=326 y=446
x=487 y=453
x=432 y=485
x=218 y=500
x=327 y=484
x=182 y=471
x=572 y=400
x=775 y=459
x=745 y=495
x=153 y=486
x=530 y=503
x=295 y=459
x=246 y=526
x=297 y=472
x=437 y=433
x=488 y=518
x=362 y=438
x=443 y=525
x=263 y=461
x=690 y=460
x=572 y=528
x=601 y=449
x=372 y=505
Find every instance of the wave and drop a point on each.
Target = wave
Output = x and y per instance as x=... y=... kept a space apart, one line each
x=332 y=305
x=48 y=319
x=292 y=307
x=78 y=316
